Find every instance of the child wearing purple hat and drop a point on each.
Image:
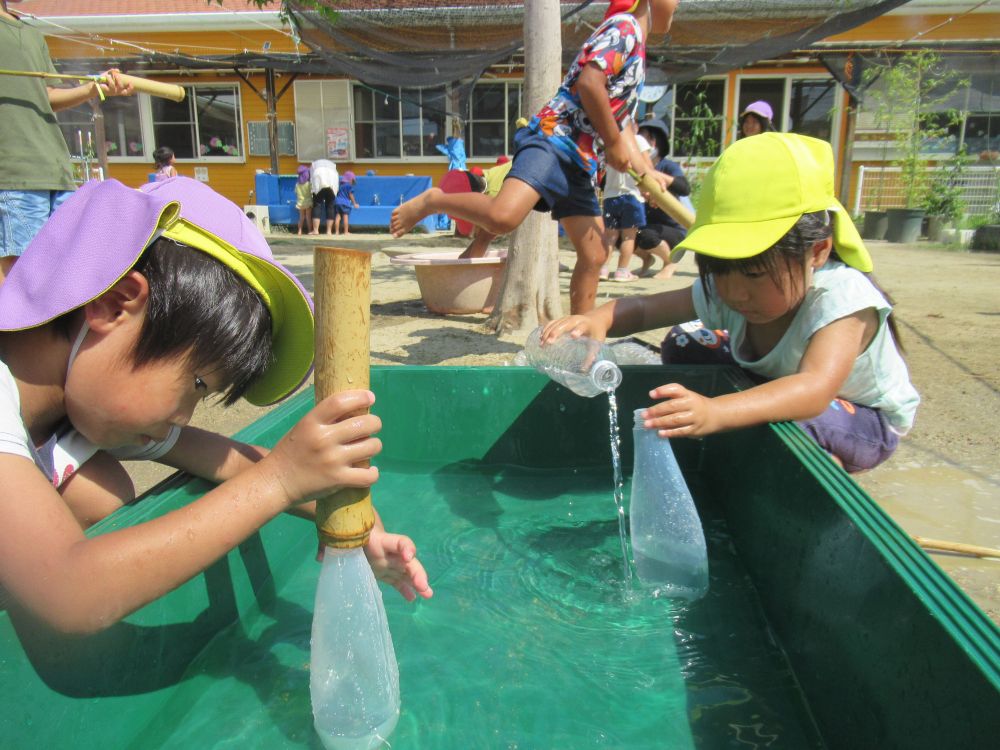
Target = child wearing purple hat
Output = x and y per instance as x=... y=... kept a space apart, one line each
x=127 y=309
x=344 y=201
x=757 y=118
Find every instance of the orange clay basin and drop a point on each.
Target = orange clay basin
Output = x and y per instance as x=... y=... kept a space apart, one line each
x=451 y=285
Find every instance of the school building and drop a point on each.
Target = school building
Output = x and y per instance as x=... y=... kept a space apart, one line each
x=239 y=104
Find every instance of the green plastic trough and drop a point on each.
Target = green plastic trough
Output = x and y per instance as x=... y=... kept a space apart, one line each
x=881 y=646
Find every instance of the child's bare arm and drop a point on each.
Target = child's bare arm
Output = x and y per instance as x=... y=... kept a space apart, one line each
x=78 y=584
x=591 y=86
x=625 y=316
x=393 y=557
x=64 y=98
x=824 y=368
x=211 y=456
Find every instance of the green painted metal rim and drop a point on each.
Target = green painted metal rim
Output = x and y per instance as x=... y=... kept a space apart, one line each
x=959 y=615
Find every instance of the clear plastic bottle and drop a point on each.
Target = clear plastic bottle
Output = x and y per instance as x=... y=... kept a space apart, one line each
x=585 y=366
x=354 y=680
x=668 y=544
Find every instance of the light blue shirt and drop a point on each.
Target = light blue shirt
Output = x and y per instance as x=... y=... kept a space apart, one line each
x=879 y=377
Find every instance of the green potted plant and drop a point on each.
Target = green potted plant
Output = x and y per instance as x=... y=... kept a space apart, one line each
x=919 y=85
x=944 y=203
x=698 y=139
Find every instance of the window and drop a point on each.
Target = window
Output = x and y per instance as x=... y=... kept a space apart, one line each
x=810 y=111
x=205 y=125
x=122 y=127
x=969 y=117
x=982 y=122
x=770 y=90
x=493 y=108
x=391 y=123
x=698 y=118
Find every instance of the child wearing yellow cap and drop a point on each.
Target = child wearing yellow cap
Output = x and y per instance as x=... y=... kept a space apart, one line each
x=783 y=292
x=562 y=150
x=126 y=310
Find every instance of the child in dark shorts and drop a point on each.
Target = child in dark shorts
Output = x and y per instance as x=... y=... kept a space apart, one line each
x=344 y=202
x=661 y=233
x=562 y=150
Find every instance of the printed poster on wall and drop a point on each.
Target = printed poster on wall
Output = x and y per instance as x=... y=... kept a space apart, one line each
x=337 y=143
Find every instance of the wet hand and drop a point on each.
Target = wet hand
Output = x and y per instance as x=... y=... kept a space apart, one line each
x=328 y=448
x=574 y=326
x=681 y=413
x=393 y=559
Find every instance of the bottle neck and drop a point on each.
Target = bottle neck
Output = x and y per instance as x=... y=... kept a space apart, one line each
x=606 y=375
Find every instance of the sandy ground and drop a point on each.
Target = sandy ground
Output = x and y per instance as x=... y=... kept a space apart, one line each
x=944 y=481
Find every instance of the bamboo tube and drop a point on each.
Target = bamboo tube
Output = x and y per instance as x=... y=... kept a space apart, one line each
x=142 y=85
x=677 y=210
x=958 y=547
x=343 y=324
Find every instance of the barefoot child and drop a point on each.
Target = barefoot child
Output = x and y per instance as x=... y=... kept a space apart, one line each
x=127 y=309
x=344 y=202
x=561 y=151
x=785 y=275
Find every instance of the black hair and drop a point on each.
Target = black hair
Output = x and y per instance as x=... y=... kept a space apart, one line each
x=766 y=126
x=662 y=142
x=201 y=309
x=163 y=155
x=477 y=183
x=787 y=254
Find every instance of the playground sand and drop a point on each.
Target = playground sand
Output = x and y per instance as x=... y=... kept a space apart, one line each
x=943 y=482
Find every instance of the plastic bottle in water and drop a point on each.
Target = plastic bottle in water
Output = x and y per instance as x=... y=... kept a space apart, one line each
x=353 y=676
x=668 y=543
x=583 y=365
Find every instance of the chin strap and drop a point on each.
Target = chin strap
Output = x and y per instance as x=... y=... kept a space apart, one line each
x=84 y=330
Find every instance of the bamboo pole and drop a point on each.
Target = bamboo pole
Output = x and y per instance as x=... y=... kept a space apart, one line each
x=939 y=545
x=343 y=325
x=677 y=210
x=142 y=85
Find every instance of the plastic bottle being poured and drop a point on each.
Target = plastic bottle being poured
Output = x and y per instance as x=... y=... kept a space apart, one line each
x=585 y=366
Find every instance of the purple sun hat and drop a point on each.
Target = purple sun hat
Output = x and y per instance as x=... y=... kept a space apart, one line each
x=760 y=108
x=81 y=251
x=100 y=232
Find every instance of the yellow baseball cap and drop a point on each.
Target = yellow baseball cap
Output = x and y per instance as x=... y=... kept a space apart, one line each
x=758 y=189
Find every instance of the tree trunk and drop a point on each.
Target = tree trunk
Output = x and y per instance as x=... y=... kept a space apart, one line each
x=529 y=293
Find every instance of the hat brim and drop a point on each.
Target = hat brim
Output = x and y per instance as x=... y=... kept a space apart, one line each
x=734 y=241
x=738 y=241
x=292 y=323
